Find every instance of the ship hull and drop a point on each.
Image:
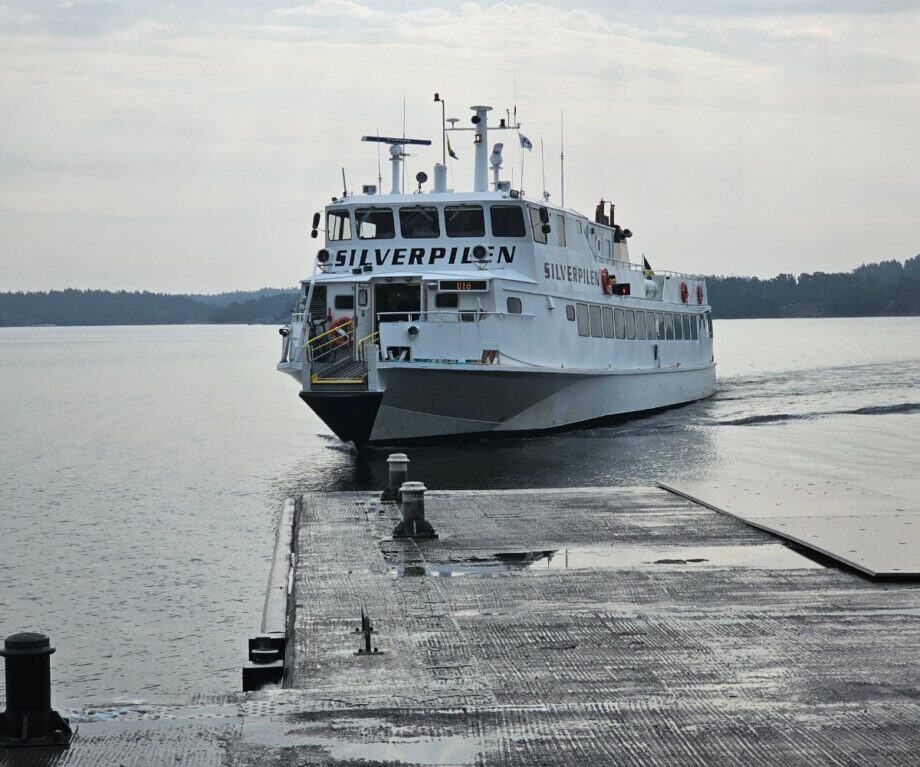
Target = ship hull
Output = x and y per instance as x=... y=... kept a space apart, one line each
x=419 y=403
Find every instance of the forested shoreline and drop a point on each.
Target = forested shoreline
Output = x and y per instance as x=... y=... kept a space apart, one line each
x=889 y=288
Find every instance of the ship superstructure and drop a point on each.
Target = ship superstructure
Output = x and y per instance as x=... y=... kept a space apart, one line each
x=439 y=313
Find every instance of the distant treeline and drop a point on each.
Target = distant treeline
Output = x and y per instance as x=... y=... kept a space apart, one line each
x=103 y=307
x=887 y=288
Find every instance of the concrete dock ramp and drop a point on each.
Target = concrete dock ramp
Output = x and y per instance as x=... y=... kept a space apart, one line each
x=877 y=533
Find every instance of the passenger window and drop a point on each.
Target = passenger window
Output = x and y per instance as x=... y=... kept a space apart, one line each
x=570 y=313
x=560 y=230
x=338 y=225
x=345 y=302
x=597 y=325
x=447 y=300
x=630 y=324
x=419 y=222
x=507 y=221
x=583 y=329
x=678 y=328
x=619 y=321
x=537 y=226
x=640 y=325
x=362 y=297
x=668 y=328
x=464 y=221
x=709 y=323
x=694 y=329
x=685 y=321
x=608 y=322
x=659 y=321
x=578 y=226
x=374 y=224
x=650 y=326
x=514 y=305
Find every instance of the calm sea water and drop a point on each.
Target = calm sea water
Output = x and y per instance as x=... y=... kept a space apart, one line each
x=142 y=469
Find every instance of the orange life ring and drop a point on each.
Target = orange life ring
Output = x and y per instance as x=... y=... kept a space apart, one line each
x=699 y=294
x=340 y=337
x=605 y=282
x=684 y=292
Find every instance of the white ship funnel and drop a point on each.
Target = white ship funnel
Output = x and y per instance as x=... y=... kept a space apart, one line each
x=440 y=177
x=481 y=141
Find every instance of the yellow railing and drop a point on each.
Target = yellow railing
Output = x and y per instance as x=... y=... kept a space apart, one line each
x=335 y=338
x=362 y=343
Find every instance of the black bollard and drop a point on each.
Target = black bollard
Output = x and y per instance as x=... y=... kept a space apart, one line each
x=29 y=719
x=398 y=472
x=414 y=524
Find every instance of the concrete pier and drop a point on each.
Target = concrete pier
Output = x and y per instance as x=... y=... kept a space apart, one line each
x=625 y=626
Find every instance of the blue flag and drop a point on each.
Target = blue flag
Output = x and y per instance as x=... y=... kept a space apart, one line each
x=525 y=142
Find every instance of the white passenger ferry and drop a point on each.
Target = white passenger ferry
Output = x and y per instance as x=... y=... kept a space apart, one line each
x=436 y=313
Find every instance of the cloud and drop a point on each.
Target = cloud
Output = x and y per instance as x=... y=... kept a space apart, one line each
x=189 y=145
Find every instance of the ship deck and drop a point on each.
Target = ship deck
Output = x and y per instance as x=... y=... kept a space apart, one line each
x=660 y=632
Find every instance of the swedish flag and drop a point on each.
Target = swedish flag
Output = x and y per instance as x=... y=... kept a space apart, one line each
x=450 y=149
x=647 y=268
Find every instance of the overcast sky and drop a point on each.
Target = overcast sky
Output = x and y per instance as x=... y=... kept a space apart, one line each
x=183 y=146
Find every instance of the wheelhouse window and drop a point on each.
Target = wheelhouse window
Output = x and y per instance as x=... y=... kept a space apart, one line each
x=447 y=300
x=338 y=225
x=582 y=313
x=514 y=305
x=560 y=229
x=464 y=221
x=374 y=224
x=507 y=221
x=597 y=325
x=619 y=321
x=608 y=322
x=537 y=226
x=419 y=222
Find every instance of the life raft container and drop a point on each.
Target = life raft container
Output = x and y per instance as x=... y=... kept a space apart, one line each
x=684 y=292
x=340 y=336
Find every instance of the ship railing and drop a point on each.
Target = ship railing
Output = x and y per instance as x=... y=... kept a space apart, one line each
x=362 y=344
x=641 y=268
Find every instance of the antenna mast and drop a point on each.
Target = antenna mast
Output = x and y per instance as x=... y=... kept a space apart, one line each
x=543 y=163
x=561 y=158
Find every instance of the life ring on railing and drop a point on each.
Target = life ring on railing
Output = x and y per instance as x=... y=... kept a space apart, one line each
x=605 y=282
x=699 y=294
x=340 y=336
x=684 y=292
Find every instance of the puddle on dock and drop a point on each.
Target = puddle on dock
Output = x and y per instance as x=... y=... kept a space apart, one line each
x=364 y=743
x=771 y=556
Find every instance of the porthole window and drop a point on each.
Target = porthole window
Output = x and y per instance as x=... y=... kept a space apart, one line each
x=514 y=305
x=570 y=313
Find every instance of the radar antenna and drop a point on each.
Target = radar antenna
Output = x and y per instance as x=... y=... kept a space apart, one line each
x=397 y=154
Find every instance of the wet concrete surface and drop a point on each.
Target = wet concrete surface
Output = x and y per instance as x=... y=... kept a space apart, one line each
x=623 y=626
